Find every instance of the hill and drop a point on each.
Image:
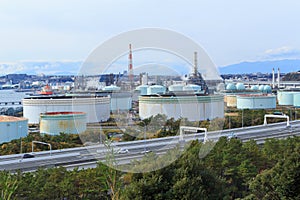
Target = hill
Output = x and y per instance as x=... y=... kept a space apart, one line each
x=285 y=66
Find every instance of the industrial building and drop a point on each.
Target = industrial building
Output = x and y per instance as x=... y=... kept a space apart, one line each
x=97 y=108
x=256 y=101
x=194 y=107
x=54 y=123
x=12 y=128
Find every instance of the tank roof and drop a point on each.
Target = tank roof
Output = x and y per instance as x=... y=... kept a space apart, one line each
x=64 y=113
x=230 y=86
x=5 y=118
x=256 y=95
x=157 y=86
x=178 y=94
x=240 y=86
x=69 y=96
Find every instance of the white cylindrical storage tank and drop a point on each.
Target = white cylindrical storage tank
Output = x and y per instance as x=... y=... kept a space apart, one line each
x=240 y=86
x=12 y=128
x=142 y=89
x=121 y=101
x=97 y=109
x=261 y=88
x=111 y=88
x=267 y=89
x=176 y=88
x=256 y=101
x=285 y=98
x=192 y=87
x=230 y=100
x=190 y=106
x=230 y=86
x=156 y=89
x=297 y=99
x=220 y=87
x=54 y=123
x=254 y=87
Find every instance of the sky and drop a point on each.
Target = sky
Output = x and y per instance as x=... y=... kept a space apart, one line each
x=230 y=31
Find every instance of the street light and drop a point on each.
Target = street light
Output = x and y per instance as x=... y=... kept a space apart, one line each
x=242 y=118
x=144 y=134
x=20 y=138
x=44 y=143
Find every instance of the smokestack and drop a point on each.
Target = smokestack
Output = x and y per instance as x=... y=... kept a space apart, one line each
x=130 y=70
x=278 y=78
x=195 y=64
x=273 y=78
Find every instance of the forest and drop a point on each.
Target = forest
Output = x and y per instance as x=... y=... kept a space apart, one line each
x=231 y=170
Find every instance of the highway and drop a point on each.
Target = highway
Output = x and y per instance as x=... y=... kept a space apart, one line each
x=83 y=157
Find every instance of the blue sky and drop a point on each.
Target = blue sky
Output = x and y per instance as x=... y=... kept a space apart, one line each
x=230 y=31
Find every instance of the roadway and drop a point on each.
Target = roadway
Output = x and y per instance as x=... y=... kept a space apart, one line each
x=83 y=157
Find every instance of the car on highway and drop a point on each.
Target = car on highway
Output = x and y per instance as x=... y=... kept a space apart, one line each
x=278 y=113
x=146 y=151
x=232 y=135
x=28 y=155
x=123 y=151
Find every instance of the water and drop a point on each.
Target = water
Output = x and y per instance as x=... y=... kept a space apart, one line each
x=11 y=96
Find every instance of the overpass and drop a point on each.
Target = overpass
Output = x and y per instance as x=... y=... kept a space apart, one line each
x=283 y=84
x=86 y=157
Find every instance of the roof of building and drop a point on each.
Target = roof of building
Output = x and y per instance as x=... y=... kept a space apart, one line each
x=5 y=118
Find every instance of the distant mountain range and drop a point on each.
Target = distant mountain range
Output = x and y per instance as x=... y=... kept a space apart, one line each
x=261 y=66
x=73 y=67
x=41 y=67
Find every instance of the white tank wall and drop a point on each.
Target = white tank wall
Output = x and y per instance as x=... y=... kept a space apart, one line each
x=142 y=89
x=192 y=108
x=11 y=130
x=121 y=103
x=176 y=88
x=256 y=102
x=97 y=109
x=64 y=123
x=285 y=98
x=191 y=87
x=296 y=100
x=156 y=89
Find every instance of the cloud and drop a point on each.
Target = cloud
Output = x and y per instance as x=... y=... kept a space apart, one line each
x=284 y=52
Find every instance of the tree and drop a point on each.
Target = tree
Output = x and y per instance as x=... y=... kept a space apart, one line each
x=280 y=182
x=8 y=185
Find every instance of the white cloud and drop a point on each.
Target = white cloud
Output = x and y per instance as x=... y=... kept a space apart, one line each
x=280 y=50
x=284 y=52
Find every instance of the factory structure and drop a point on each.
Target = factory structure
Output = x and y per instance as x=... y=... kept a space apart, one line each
x=191 y=99
x=12 y=128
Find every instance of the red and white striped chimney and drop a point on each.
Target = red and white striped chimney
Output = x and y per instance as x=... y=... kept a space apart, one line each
x=130 y=70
